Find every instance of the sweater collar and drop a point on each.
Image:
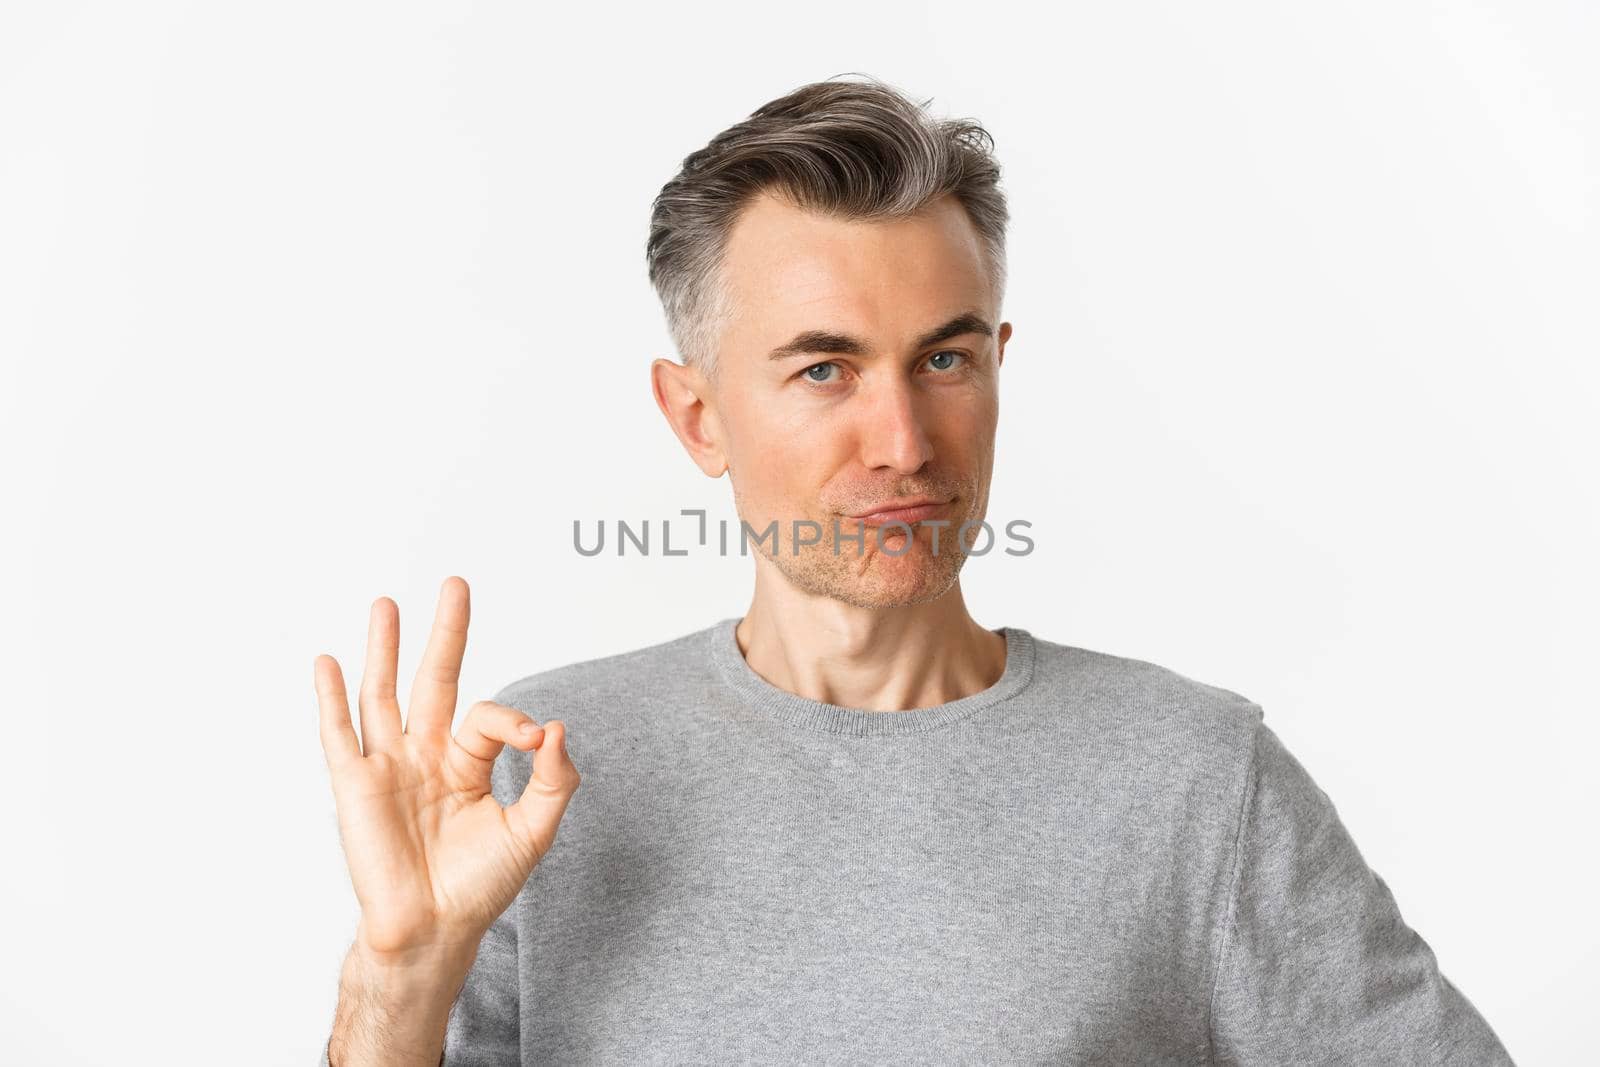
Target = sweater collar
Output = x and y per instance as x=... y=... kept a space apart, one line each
x=803 y=712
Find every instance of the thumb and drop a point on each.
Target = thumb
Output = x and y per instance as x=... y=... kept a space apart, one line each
x=537 y=813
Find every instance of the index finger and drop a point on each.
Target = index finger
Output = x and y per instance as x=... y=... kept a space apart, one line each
x=433 y=694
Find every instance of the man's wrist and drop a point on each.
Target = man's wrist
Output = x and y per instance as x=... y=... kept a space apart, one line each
x=394 y=1008
x=447 y=948
x=408 y=975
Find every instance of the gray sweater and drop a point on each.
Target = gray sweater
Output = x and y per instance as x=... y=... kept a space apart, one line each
x=1096 y=860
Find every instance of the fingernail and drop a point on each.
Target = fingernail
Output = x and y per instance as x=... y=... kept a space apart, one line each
x=528 y=728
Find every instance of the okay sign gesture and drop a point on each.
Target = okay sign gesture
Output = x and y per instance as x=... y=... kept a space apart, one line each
x=433 y=856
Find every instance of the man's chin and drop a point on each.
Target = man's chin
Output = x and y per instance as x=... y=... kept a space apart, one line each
x=885 y=581
x=891 y=596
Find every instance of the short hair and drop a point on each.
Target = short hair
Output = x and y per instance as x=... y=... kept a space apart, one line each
x=853 y=149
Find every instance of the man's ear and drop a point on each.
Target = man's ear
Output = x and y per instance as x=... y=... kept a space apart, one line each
x=687 y=400
x=1004 y=336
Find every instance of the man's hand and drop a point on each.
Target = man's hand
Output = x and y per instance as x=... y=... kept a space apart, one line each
x=433 y=856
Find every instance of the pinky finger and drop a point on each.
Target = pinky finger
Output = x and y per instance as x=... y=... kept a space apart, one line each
x=339 y=743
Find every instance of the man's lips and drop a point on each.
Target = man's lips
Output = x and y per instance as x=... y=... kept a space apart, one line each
x=906 y=511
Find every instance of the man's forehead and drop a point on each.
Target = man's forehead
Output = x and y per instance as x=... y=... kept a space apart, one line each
x=787 y=268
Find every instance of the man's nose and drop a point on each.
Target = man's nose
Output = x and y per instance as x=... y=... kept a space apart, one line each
x=891 y=430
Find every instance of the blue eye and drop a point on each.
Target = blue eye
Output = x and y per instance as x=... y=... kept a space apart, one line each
x=946 y=352
x=815 y=366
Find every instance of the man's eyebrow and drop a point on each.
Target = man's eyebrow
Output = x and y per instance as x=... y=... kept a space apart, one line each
x=812 y=342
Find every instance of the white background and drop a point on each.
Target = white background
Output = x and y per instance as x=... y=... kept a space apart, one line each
x=304 y=304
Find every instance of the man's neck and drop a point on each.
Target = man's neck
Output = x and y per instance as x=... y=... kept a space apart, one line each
x=872 y=659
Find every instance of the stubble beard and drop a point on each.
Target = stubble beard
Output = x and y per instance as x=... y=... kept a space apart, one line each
x=869 y=576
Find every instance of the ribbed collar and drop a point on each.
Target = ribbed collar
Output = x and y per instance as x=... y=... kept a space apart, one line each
x=810 y=714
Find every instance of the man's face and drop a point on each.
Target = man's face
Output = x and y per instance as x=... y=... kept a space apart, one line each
x=875 y=404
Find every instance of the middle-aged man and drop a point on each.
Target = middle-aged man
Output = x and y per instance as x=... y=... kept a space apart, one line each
x=852 y=824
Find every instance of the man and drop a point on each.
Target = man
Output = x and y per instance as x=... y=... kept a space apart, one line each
x=852 y=824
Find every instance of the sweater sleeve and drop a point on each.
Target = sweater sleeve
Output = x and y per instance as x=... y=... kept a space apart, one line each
x=1317 y=966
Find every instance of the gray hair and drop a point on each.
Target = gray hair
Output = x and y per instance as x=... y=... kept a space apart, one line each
x=856 y=150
